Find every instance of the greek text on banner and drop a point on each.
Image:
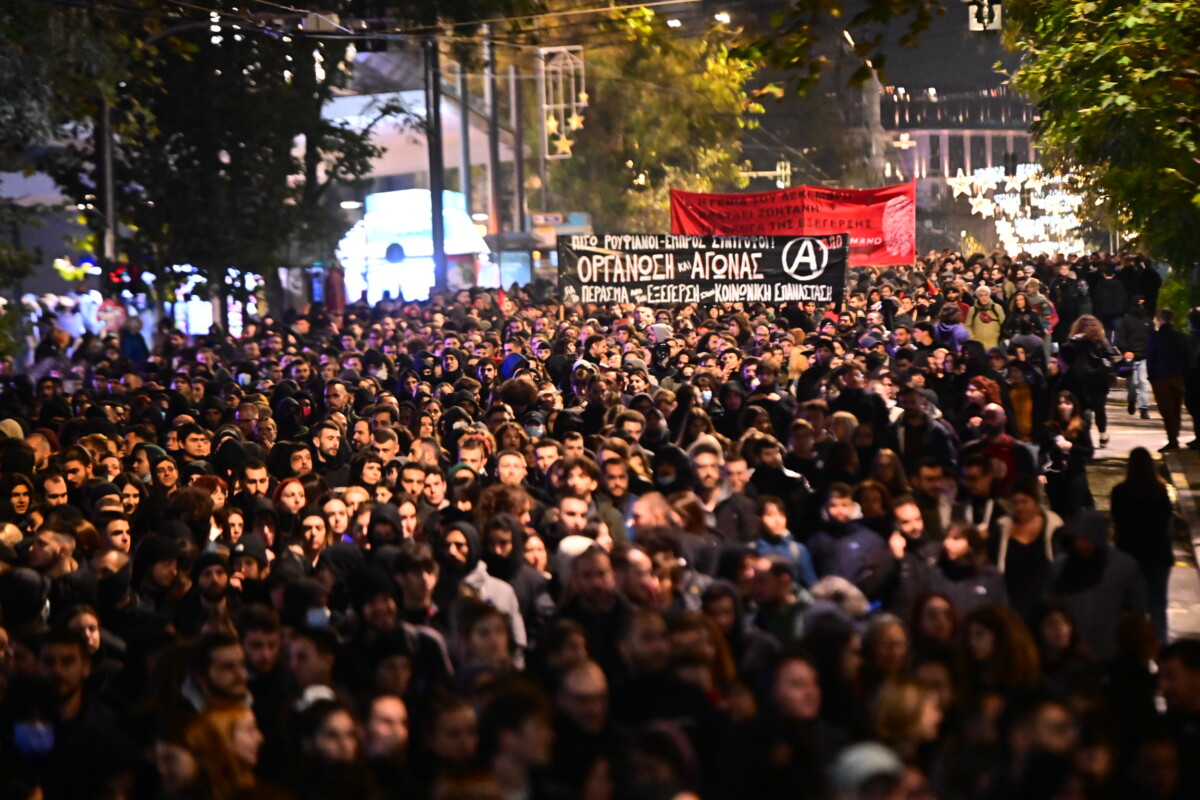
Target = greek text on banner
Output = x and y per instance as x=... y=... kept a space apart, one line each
x=881 y=222
x=671 y=269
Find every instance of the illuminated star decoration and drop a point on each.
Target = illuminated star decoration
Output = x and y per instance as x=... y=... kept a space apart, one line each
x=563 y=146
x=986 y=179
x=583 y=98
x=1013 y=183
x=551 y=124
x=960 y=183
x=575 y=121
x=982 y=206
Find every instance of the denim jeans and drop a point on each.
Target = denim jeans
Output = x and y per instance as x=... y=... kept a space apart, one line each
x=1139 y=385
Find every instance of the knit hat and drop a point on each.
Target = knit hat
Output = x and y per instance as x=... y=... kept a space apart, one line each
x=206 y=560
x=252 y=545
x=863 y=762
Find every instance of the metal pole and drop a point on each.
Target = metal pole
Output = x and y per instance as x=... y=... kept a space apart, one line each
x=543 y=134
x=493 y=109
x=108 y=191
x=514 y=94
x=464 y=110
x=437 y=173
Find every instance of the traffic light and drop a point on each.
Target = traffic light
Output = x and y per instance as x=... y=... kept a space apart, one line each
x=114 y=279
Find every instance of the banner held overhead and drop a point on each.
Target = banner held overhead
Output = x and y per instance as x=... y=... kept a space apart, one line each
x=666 y=269
x=882 y=223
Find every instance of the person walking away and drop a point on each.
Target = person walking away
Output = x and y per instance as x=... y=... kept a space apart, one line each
x=1166 y=365
x=1142 y=515
x=1191 y=379
x=1099 y=583
x=1088 y=357
x=1064 y=293
x=1133 y=332
x=1110 y=301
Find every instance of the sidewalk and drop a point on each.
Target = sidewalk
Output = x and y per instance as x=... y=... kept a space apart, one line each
x=1182 y=468
x=1183 y=592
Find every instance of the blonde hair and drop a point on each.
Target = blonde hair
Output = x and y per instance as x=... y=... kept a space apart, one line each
x=898 y=710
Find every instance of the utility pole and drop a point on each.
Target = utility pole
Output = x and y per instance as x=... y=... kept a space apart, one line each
x=543 y=134
x=464 y=109
x=108 y=192
x=514 y=103
x=493 y=109
x=437 y=173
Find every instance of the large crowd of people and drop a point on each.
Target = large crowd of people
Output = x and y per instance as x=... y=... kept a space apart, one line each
x=491 y=546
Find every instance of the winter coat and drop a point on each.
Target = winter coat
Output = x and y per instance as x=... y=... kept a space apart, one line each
x=968 y=586
x=530 y=586
x=1109 y=298
x=1133 y=333
x=1101 y=589
x=753 y=650
x=951 y=336
x=842 y=549
x=474 y=577
x=796 y=553
x=1166 y=354
x=985 y=323
x=1089 y=365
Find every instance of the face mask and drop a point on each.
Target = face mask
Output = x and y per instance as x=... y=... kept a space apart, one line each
x=535 y=431
x=33 y=738
x=317 y=617
x=706 y=396
x=666 y=480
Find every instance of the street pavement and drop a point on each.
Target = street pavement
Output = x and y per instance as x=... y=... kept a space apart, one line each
x=1182 y=468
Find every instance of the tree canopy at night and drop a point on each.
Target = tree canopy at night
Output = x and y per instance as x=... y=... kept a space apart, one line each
x=1117 y=86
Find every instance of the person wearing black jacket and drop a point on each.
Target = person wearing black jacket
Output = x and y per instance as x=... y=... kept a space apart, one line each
x=1166 y=364
x=504 y=555
x=1133 y=334
x=1142 y=516
x=898 y=575
x=753 y=649
x=963 y=573
x=1089 y=358
x=1110 y=301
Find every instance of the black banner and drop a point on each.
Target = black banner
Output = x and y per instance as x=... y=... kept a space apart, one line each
x=668 y=269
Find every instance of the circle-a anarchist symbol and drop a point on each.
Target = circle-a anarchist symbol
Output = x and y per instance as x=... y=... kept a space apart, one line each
x=805 y=259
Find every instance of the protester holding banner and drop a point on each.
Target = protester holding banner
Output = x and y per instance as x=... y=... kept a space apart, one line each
x=557 y=543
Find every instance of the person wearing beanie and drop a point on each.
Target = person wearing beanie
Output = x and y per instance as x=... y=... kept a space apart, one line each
x=250 y=566
x=211 y=597
x=155 y=569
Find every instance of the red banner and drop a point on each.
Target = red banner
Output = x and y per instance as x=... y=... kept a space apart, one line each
x=882 y=223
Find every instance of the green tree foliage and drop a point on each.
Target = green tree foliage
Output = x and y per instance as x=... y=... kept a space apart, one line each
x=223 y=160
x=56 y=61
x=1117 y=86
x=664 y=112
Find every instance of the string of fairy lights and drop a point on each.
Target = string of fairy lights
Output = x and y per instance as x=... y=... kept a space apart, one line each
x=1035 y=211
